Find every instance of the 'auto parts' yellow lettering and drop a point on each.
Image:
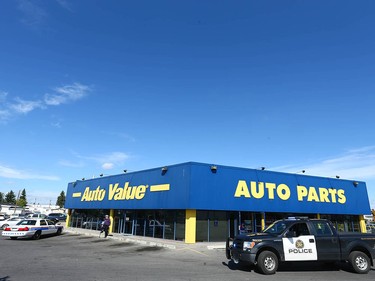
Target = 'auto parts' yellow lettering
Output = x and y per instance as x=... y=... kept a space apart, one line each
x=242 y=190
x=341 y=195
x=301 y=192
x=258 y=190
x=283 y=191
x=313 y=195
x=325 y=195
x=257 y=193
x=271 y=190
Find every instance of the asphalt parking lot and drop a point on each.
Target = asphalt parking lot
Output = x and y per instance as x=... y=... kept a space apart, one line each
x=85 y=256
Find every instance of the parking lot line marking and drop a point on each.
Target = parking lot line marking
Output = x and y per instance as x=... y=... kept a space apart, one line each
x=195 y=251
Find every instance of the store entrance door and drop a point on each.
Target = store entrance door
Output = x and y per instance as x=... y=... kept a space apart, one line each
x=250 y=222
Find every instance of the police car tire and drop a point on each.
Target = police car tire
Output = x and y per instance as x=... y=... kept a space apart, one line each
x=59 y=231
x=227 y=251
x=37 y=235
x=267 y=263
x=360 y=262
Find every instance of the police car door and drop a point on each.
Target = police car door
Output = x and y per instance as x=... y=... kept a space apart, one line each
x=299 y=244
x=327 y=242
x=51 y=227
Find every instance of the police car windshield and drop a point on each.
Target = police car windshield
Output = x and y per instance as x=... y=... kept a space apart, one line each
x=276 y=228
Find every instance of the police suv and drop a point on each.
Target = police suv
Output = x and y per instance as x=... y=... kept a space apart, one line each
x=302 y=239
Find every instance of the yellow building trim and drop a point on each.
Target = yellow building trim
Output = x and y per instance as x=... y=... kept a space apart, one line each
x=190 y=226
x=263 y=221
x=112 y=218
x=67 y=223
x=160 y=187
x=362 y=224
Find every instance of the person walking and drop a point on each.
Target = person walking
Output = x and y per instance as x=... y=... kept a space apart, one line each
x=105 y=226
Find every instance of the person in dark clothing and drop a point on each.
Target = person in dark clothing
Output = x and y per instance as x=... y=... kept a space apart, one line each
x=105 y=226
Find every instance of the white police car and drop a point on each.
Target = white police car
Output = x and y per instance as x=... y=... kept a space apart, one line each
x=32 y=228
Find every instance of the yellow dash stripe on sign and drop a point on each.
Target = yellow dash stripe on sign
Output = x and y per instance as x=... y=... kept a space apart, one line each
x=159 y=187
x=77 y=194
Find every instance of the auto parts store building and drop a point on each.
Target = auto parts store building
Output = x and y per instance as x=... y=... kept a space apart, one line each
x=201 y=202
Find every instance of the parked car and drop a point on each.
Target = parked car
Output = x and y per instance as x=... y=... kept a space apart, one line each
x=95 y=224
x=4 y=217
x=17 y=216
x=57 y=217
x=37 y=215
x=10 y=222
x=33 y=228
x=370 y=228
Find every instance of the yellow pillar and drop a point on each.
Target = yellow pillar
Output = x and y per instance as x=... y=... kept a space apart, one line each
x=67 y=223
x=318 y=216
x=190 y=226
x=263 y=221
x=362 y=224
x=112 y=218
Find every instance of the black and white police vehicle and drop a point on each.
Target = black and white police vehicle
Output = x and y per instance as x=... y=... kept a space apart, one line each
x=302 y=239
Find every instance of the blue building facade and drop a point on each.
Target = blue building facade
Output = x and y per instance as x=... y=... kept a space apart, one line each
x=186 y=197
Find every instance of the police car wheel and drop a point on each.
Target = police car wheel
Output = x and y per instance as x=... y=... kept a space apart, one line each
x=267 y=263
x=37 y=235
x=227 y=249
x=360 y=262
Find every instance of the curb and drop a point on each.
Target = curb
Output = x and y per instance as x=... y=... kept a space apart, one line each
x=149 y=241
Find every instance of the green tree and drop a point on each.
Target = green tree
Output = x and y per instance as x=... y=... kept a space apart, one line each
x=23 y=196
x=21 y=202
x=10 y=197
x=1 y=197
x=61 y=200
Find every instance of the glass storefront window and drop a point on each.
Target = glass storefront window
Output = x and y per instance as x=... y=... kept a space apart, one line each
x=344 y=223
x=211 y=226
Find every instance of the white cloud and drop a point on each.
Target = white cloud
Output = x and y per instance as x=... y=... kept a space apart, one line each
x=33 y=14
x=61 y=95
x=353 y=164
x=108 y=166
x=24 y=106
x=110 y=160
x=66 y=94
x=7 y=172
x=4 y=115
x=106 y=161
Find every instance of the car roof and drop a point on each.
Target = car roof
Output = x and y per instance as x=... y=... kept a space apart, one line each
x=35 y=219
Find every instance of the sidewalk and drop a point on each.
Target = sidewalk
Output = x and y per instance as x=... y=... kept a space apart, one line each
x=149 y=241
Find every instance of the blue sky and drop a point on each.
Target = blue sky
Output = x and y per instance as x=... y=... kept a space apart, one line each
x=91 y=87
